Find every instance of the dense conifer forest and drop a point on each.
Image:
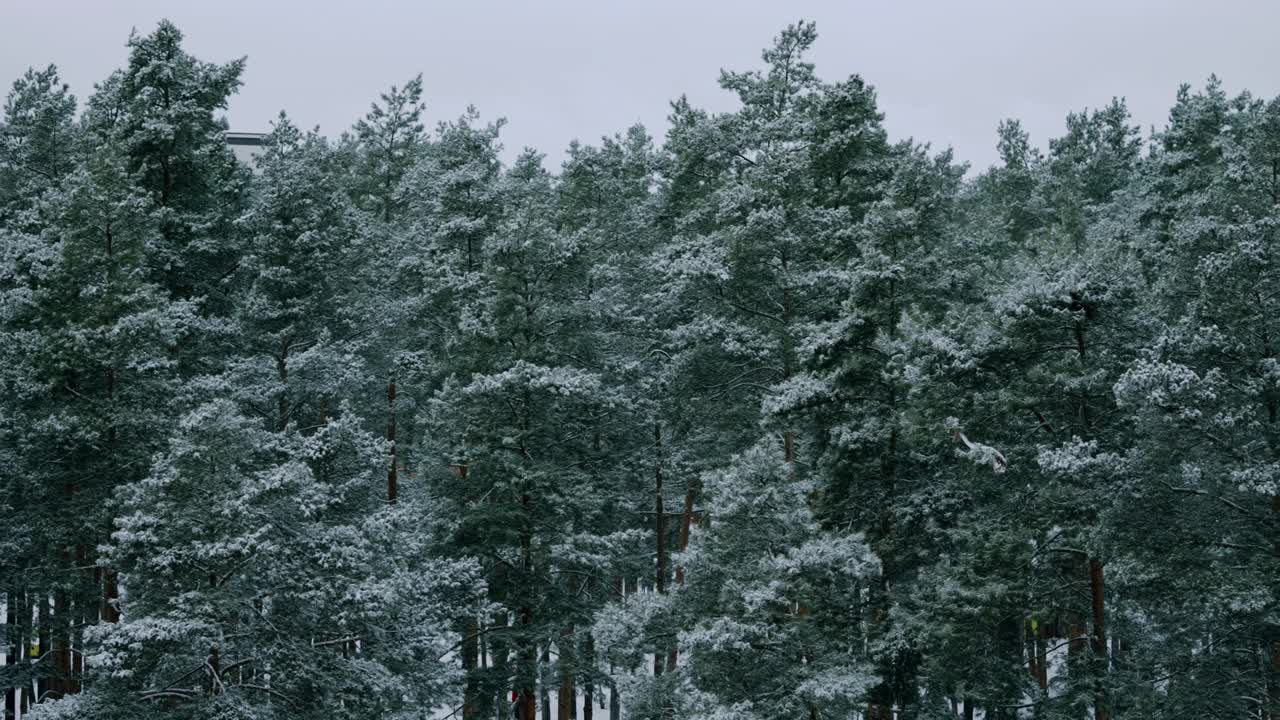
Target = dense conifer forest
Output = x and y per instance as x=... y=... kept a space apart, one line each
x=776 y=416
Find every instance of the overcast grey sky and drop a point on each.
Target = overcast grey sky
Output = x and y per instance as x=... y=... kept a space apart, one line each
x=946 y=72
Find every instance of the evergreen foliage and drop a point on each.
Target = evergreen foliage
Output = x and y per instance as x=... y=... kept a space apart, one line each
x=778 y=417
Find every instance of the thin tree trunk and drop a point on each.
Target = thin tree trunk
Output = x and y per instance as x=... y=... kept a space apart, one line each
x=529 y=655
x=1037 y=660
x=1096 y=591
x=12 y=644
x=1042 y=657
x=1033 y=657
x=686 y=521
x=86 y=601
x=470 y=654
x=588 y=677
x=110 y=596
x=110 y=583
x=61 y=644
x=215 y=671
x=43 y=637
x=499 y=648
x=529 y=659
x=543 y=678
x=28 y=636
x=566 y=698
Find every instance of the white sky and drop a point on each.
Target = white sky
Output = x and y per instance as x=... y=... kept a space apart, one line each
x=946 y=72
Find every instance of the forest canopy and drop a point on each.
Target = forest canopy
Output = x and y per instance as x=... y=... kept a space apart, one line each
x=776 y=416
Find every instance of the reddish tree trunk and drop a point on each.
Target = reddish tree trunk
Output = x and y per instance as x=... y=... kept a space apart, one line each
x=686 y=521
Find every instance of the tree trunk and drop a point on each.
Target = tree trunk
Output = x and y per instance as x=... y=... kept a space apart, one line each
x=566 y=698
x=502 y=696
x=543 y=681
x=529 y=653
x=470 y=654
x=110 y=596
x=28 y=636
x=528 y=699
x=1037 y=660
x=61 y=644
x=1099 y=637
x=43 y=637
x=12 y=644
x=1042 y=657
x=215 y=670
x=588 y=677
x=686 y=521
x=85 y=602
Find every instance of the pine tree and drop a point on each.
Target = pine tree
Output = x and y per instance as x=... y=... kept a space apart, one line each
x=388 y=142
x=454 y=207
x=104 y=366
x=162 y=107
x=519 y=423
x=1203 y=400
x=38 y=141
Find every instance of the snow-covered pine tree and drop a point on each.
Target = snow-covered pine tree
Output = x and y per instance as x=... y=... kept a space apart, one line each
x=1203 y=397
x=520 y=422
x=260 y=559
x=387 y=143
x=453 y=207
x=38 y=145
x=162 y=107
x=625 y=531
x=99 y=353
x=758 y=202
